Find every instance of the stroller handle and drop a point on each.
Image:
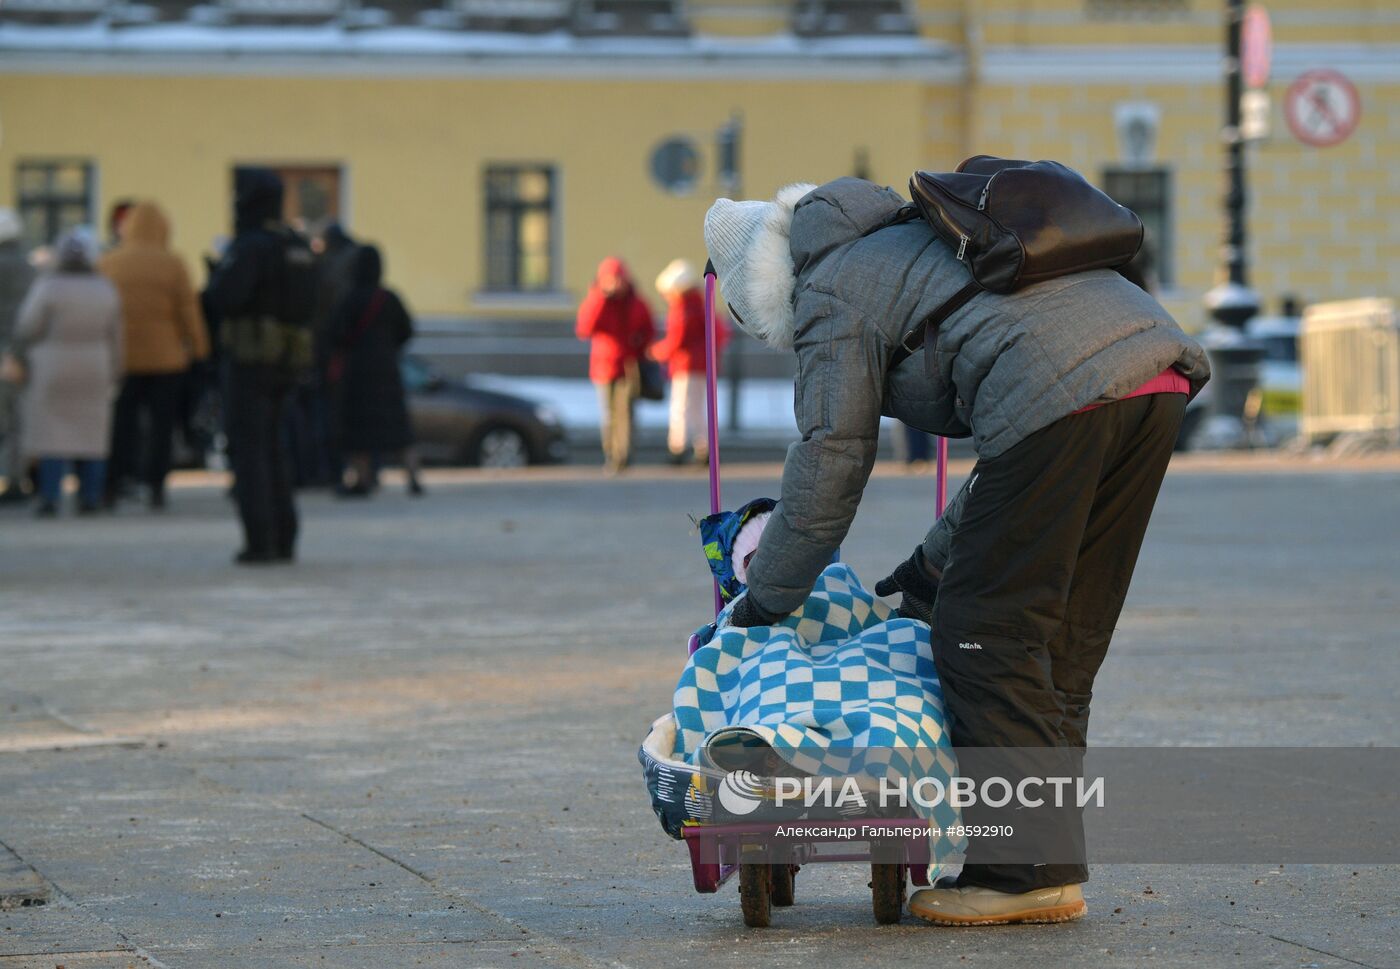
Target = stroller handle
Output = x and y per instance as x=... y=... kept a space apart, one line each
x=712 y=420
x=711 y=404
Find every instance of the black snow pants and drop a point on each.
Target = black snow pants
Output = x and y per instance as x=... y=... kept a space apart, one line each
x=1038 y=567
x=254 y=401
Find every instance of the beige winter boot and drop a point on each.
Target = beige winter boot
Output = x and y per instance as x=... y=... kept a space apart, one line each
x=971 y=905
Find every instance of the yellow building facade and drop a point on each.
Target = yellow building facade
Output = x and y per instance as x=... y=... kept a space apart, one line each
x=497 y=160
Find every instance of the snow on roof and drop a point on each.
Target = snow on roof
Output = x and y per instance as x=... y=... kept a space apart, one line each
x=156 y=39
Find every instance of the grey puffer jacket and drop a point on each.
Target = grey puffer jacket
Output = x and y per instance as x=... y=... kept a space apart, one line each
x=1006 y=365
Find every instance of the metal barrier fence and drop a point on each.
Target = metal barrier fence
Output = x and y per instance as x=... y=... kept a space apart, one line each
x=1350 y=354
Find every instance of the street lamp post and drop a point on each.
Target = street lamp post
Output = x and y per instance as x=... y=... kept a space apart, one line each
x=1234 y=357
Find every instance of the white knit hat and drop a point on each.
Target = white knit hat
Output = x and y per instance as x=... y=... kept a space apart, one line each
x=748 y=243
x=678 y=277
x=10 y=225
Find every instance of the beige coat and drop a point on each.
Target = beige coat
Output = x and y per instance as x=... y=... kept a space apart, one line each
x=164 y=326
x=69 y=335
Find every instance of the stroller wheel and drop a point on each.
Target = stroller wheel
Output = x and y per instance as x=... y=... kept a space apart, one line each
x=887 y=892
x=783 y=877
x=755 y=887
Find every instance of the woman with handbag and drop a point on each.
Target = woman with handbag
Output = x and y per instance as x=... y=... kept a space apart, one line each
x=1072 y=390
x=68 y=340
x=367 y=332
x=683 y=352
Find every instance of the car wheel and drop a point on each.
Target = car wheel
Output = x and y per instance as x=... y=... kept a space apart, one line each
x=501 y=447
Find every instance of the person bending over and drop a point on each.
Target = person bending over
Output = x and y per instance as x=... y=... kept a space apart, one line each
x=1072 y=391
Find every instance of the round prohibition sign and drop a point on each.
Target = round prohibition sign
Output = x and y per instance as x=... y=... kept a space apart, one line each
x=1322 y=108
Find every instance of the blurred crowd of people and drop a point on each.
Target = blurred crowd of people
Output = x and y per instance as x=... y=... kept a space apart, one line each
x=625 y=358
x=287 y=362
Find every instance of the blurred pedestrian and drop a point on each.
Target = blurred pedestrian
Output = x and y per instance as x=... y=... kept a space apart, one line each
x=683 y=351
x=618 y=325
x=367 y=334
x=69 y=342
x=915 y=447
x=16 y=275
x=263 y=295
x=164 y=334
x=316 y=448
x=116 y=215
x=335 y=264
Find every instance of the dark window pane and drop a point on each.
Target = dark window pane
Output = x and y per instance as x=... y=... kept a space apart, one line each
x=315 y=200
x=33 y=180
x=1137 y=9
x=519 y=228
x=52 y=197
x=1148 y=193
x=630 y=17
x=819 y=18
x=500 y=251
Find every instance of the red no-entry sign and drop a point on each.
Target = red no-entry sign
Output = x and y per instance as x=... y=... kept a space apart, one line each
x=1322 y=108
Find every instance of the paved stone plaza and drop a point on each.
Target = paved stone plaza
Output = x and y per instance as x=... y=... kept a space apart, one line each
x=417 y=747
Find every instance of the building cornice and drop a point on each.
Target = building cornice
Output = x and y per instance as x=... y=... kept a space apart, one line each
x=330 y=51
x=409 y=52
x=1174 y=63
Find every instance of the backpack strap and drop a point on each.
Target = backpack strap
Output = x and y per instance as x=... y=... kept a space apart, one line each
x=918 y=336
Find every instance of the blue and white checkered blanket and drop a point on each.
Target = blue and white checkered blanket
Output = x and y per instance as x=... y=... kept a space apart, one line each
x=843 y=686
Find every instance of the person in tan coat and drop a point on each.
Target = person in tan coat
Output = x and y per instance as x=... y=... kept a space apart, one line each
x=164 y=334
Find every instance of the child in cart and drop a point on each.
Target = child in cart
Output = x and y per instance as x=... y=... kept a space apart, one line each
x=841 y=691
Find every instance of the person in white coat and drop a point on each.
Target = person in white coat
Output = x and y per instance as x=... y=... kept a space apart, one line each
x=68 y=339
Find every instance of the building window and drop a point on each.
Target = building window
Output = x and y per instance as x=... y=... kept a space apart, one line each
x=275 y=12
x=644 y=18
x=520 y=228
x=1137 y=9
x=53 y=196
x=835 y=18
x=512 y=16
x=1147 y=191
x=310 y=195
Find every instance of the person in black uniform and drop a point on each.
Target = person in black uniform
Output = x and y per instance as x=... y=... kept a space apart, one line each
x=263 y=293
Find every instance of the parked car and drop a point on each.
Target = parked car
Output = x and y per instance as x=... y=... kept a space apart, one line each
x=455 y=422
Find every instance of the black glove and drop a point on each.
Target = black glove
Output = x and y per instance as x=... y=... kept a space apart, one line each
x=747 y=613
x=917 y=582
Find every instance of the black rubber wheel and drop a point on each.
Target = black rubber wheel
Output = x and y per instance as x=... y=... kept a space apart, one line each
x=887 y=892
x=755 y=895
x=783 y=877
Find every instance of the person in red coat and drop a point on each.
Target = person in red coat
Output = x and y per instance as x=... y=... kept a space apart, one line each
x=618 y=324
x=683 y=351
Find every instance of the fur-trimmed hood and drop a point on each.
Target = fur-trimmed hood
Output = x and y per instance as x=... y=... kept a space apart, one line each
x=749 y=243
